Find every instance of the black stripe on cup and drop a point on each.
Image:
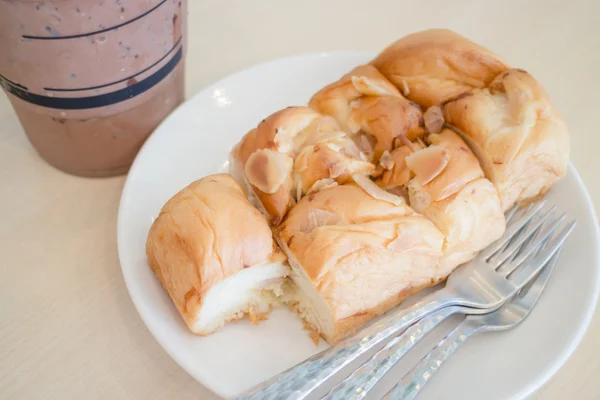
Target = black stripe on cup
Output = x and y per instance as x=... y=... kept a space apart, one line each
x=79 y=35
x=102 y=100
x=154 y=64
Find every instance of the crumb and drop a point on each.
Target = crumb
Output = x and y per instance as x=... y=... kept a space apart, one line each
x=313 y=333
x=316 y=338
x=255 y=318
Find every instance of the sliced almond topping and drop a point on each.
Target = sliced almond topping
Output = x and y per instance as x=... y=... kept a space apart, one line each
x=402 y=140
x=365 y=142
x=337 y=170
x=370 y=87
x=350 y=149
x=267 y=170
x=331 y=136
x=333 y=147
x=386 y=160
x=375 y=191
x=428 y=163
x=406 y=238
x=399 y=191
x=405 y=88
x=283 y=141
x=400 y=174
x=326 y=124
x=318 y=217
x=298 y=188
x=434 y=119
x=322 y=184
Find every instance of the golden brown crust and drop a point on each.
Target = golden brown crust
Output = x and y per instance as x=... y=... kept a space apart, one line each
x=462 y=168
x=204 y=234
x=516 y=132
x=315 y=148
x=459 y=200
x=399 y=174
x=364 y=101
x=436 y=65
x=359 y=252
x=263 y=137
x=470 y=219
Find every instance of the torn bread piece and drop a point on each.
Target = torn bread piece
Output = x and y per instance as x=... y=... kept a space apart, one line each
x=518 y=135
x=371 y=109
x=291 y=152
x=354 y=257
x=215 y=255
x=446 y=184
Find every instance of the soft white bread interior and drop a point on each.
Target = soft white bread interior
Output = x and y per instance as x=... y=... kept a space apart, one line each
x=446 y=184
x=518 y=135
x=292 y=152
x=435 y=65
x=215 y=255
x=371 y=109
x=355 y=257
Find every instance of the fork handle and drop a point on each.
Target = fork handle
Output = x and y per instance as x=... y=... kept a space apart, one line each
x=415 y=379
x=360 y=383
x=303 y=379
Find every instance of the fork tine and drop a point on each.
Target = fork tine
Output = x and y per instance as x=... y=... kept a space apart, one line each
x=508 y=268
x=418 y=376
x=510 y=213
x=524 y=275
x=542 y=275
x=503 y=255
x=512 y=229
x=547 y=232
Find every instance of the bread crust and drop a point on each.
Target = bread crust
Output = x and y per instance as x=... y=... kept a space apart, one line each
x=520 y=138
x=362 y=255
x=436 y=65
x=204 y=234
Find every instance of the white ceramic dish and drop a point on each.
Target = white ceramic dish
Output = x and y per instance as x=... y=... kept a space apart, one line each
x=195 y=140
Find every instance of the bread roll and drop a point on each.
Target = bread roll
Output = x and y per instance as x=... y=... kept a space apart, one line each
x=291 y=151
x=446 y=184
x=354 y=257
x=518 y=135
x=215 y=256
x=364 y=103
x=433 y=66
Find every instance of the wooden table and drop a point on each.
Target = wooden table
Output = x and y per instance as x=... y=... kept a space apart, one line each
x=68 y=329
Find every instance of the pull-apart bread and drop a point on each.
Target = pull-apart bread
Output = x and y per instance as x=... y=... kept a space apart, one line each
x=214 y=254
x=518 y=135
x=370 y=109
x=292 y=152
x=504 y=114
x=354 y=257
x=396 y=174
x=446 y=184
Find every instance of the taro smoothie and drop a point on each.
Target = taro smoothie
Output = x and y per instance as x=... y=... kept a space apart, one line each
x=90 y=79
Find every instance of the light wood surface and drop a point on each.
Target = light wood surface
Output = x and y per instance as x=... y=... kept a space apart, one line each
x=68 y=329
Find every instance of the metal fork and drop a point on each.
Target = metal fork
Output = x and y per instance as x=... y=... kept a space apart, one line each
x=365 y=378
x=506 y=317
x=477 y=284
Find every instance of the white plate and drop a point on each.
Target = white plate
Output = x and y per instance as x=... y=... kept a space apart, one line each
x=195 y=140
